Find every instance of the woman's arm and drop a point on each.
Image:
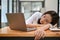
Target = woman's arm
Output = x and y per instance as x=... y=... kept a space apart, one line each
x=45 y=27
x=40 y=33
x=42 y=27
x=33 y=25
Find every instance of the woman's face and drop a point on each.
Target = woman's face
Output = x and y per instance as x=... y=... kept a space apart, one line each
x=45 y=19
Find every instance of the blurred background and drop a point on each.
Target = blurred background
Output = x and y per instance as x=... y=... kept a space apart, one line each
x=28 y=7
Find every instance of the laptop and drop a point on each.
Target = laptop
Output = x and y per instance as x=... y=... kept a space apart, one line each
x=55 y=28
x=16 y=21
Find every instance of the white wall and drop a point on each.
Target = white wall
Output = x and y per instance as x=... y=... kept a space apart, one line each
x=51 y=5
x=31 y=0
x=4 y=11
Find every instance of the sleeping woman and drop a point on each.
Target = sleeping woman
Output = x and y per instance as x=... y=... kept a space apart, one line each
x=42 y=20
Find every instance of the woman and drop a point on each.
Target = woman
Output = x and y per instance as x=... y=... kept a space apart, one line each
x=49 y=17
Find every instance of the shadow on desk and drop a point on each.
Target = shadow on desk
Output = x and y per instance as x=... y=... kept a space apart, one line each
x=28 y=38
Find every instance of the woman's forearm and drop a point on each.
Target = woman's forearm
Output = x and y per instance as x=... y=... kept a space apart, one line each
x=42 y=27
x=45 y=27
x=30 y=25
x=33 y=25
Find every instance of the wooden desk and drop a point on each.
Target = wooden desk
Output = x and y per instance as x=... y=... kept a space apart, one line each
x=7 y=32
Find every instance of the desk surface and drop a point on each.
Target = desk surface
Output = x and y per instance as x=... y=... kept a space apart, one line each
x=7 y=32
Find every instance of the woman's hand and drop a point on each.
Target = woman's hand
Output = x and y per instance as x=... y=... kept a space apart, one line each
x=39 y=34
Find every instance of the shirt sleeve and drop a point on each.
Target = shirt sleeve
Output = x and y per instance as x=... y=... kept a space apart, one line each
x=31 y=19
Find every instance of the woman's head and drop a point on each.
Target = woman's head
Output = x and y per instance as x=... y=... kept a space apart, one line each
x=49 y=17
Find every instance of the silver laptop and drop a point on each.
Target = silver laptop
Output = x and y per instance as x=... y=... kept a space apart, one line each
x=16 y=21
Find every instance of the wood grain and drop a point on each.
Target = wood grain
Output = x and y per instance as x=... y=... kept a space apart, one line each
x=7 y=32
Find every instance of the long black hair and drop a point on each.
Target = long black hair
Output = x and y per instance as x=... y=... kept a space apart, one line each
x=54 y=15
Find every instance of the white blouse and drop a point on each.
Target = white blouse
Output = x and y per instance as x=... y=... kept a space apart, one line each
x=34 y=18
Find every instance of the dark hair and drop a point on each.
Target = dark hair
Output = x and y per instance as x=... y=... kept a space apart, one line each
x=54 y=15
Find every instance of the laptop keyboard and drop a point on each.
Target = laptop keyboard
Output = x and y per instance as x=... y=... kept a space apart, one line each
x=31 y=29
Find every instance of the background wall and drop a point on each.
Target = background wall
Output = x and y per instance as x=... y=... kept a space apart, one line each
x=51 y=5
x=31 y=0
x=4 y=11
